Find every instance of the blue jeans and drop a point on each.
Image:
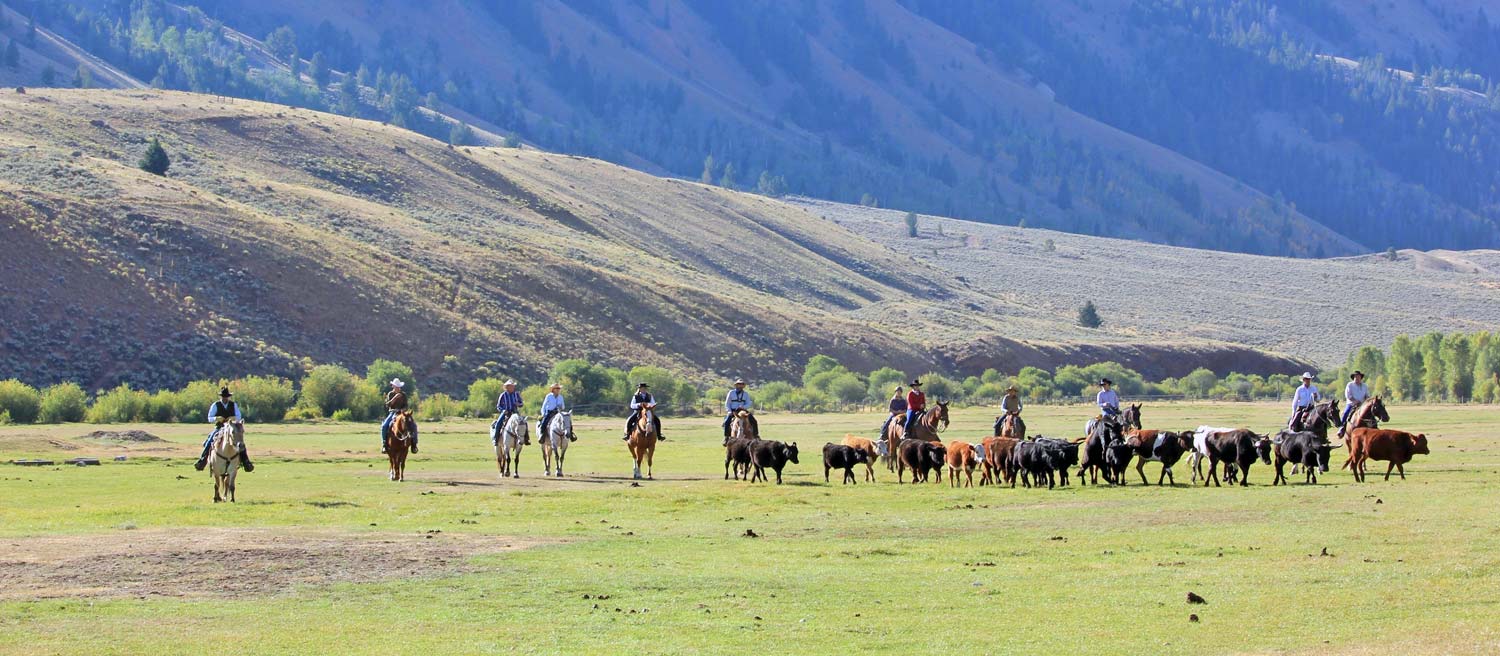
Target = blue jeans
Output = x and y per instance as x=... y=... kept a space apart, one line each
x=911 y=415
x=208 y=443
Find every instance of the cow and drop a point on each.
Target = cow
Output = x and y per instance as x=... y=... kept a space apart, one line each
x=998 y=467
x=1117 y=455
x=921 y=457
x=845 y=457
x=737 y=451
x=1063 y=455
x=1034 y=463
x=1165 y=447
x=1199 y=451
x=1397 y=447
x=962 y=458
x=773 y=454
x=1240 y=447
x=873 y=450
x=1101 y=434
x=1302 y=448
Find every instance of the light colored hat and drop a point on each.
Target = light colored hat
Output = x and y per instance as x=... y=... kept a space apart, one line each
x=555 y=386
x=397 y=382
x=739 y=381
x=1307 y=374
x=510 y=382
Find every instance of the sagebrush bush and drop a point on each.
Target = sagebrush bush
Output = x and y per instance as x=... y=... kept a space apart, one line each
x=482 y=396
x=263 y=398
x=302 y=413
x=438 y=407
x=22 y=401
x=366 y=403
x=343 y=414
x=328 y=388
x=63 y=403
x=117 y=406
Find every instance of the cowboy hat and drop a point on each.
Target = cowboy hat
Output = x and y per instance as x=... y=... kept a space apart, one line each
x=916 y=382
x=224 y=391
x=510 y=382
x=641 y=386
x=1307 y=374
x=1012 y=390
x=1106 y=381
x=739 y=381
x=555 y=386
x=1357 y=372
x=397 y=382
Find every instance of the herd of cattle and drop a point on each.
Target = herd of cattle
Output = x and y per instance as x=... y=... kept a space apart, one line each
x=1106 y=452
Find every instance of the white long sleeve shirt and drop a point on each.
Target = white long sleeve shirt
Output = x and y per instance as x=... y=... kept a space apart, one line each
x=738 y=399
x=1305 y=395
x=213 y=417
x=1108 y=399
x=1356 y=393
x=553 y=402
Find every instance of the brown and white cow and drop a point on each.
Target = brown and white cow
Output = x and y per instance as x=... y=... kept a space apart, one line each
x=872 y=449
x=962 y=458
x=1395 y=446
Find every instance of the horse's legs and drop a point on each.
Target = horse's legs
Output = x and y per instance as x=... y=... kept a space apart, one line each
x=650 y=455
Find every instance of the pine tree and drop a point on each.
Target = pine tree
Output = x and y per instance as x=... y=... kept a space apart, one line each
x=282 y=42
x=12 y=54
x=708 y=170
x=319 y=69
x=461 y=134
x=911 y=224
x=727 y=180
x=49 y=76
x=1064 y=198
x=1088 y=316
x=155 y=161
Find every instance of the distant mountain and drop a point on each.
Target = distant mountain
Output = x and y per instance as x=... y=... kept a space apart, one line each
x=1302 y=127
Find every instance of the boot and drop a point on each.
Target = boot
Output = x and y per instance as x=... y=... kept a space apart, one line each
x=384 y=446
x=202 y=462
x=245 y=461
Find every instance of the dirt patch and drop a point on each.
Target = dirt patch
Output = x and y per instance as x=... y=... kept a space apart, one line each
x=228 y=562
x=123 y=436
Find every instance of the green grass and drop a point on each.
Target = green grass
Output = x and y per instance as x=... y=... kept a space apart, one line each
x=862 y=569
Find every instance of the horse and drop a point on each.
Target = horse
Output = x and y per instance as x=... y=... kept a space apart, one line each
x=1102 y=433
x=642 y=441
x=224 y=458
x=926 y=429
x=739 y=427
x=508 y=442
x=1367 y=415
x=399 y=444
x=1153 y=445
x=555 y=443
x=1012 y=426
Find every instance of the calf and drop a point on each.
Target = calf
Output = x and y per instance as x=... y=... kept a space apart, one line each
x=962 y=458
x=1397 y=447
x=920 y=457
x=845 y=457
x=998 y=452
x=737 y=451
x=1101 y=433
x=1117 y=455
x=773 y=454
x=1306 y=449
x=1063 y=455
x=873 y=451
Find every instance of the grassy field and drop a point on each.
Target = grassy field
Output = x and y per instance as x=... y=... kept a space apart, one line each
x=322 y=555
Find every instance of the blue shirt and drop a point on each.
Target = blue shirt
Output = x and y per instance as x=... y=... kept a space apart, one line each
x=738 y=399
x=1108 y=399
x=553 y=402
x=509 y=401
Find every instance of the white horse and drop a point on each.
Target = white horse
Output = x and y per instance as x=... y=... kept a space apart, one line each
x=555 y=442
x=508 y=445
x=224 y=458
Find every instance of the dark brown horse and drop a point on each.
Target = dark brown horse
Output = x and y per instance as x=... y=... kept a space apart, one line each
x=399 y=444
x=926 y=428
x=1368 y=415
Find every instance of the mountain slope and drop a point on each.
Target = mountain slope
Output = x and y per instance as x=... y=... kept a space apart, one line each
x=1222 y=124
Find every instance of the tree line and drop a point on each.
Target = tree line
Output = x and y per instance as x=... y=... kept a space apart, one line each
x=1435 y=367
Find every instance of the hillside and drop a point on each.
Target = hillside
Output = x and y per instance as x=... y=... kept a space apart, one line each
x=1310 y=128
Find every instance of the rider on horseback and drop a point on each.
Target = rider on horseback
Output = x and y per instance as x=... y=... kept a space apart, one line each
x=1302 y=402
x=643 y=399
x=1355 y=393
x=1108 y=399
x=553 y=404
x=897 y=408
x=1010 y=407
x=738 y=400
x=916 y=404
x=221 y=411
x=508 y=404
x=395 y=404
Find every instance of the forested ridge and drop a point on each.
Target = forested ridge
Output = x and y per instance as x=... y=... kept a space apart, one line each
x=1333 y=144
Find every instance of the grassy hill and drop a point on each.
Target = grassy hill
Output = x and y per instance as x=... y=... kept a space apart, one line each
x=283 y=234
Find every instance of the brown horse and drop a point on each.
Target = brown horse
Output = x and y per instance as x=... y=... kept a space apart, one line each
x=399 y=444
x=1368 y=415
x=927 y=428
x=1012 y=426
x=739 y=427
x=643 y=440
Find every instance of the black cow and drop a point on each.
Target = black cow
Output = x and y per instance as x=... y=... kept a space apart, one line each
x=737 y=451
x=1063 y=455
x=773 y=454
x=1105 y=431
x=1240 y=447
x=1305 y=449
x=839 y=456
x=921 y=457
x=1034 y=463
x=1117 y=455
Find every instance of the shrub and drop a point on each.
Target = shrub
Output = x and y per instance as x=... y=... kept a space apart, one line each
x=155 y=161
x=381 y=371
x=531 y=399
x=302 y=413
x=846 y=388
x=1088 y=316
x=328 y=388
x=5 y=419
x=482 y=396
x=343 y=414
x=63 y=403
x=772 y=394
x=664 y=385
x=1198 y=384
x=883 y=382
x=20 y=400
x=119 y=405
x=264 y=398
x=583 y=383
x=366 y=403
x=162 y=407
x=438 y=407
x=940 y=388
